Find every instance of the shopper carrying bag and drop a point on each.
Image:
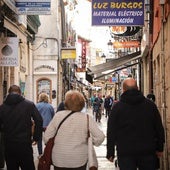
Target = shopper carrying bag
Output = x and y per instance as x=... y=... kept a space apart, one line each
x=45 y=160
x=70 y=150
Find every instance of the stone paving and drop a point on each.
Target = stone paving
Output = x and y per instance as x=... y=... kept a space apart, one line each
x=104 y=164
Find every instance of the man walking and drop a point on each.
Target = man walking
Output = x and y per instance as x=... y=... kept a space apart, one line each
x=108 y=103
x=135 y=128
x=16 y=118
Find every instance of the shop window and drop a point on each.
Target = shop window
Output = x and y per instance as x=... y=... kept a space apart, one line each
x=44 y=86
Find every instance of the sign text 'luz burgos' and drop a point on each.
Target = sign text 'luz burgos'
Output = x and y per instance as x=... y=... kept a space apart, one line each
x=116 y=12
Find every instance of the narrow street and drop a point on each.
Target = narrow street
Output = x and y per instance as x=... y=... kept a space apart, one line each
x=104 y=164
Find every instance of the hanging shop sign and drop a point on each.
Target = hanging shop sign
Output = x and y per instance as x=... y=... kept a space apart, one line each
x=33 y=7
x=9 y=51
x=126 y=44
x=83 y=59
x=82 y=65
x=68 y=53
x=124 y=30
x=118 y=13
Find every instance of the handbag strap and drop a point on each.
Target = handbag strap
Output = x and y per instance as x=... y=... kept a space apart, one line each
x=63 y=121
x=88 y=131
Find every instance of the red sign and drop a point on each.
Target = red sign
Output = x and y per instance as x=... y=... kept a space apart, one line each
x=83 y=53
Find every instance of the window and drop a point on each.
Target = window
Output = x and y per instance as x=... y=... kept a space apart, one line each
x=44 y=85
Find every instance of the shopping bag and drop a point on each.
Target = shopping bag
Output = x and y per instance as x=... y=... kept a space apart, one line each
x=45 y=161
x=92 y=158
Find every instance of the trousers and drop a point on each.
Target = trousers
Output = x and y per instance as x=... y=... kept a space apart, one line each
x=145 y=162
x=19 y=156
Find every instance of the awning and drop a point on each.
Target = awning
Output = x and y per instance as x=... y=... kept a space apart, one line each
x=111 y=66
x=115 y=70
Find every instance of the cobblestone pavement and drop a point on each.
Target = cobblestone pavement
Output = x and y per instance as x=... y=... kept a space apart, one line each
x=104 y=164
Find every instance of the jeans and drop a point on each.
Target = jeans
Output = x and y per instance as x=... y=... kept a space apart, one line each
x=146 y=162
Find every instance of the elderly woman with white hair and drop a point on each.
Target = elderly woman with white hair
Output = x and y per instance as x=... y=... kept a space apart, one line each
x=70 y=149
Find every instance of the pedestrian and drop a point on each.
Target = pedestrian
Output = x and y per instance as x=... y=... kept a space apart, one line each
x=70 y=145
x=92 y=102
x=60 y=106
x=108 y=105
x=135 y=129
x=16 y=116
x=47 y=112
x=102 y=105
x=151 y=97
x=97 y=107
x=84 y=110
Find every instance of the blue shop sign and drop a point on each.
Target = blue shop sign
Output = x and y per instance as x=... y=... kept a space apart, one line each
x=117 y=13
x=33 y=7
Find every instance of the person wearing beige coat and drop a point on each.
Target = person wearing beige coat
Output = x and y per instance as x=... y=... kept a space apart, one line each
x=70 y=149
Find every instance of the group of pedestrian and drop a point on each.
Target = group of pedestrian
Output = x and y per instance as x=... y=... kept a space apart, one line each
x=101 y=105
x=135 y=133
x=23 y=124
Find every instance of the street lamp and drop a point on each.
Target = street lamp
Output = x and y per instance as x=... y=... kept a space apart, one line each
x=103 y=56
x=110 y=45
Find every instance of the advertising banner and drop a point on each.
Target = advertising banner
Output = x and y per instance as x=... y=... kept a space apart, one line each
x=33 y=7
x=9 y=51
x=126 y=44
x=118 y=13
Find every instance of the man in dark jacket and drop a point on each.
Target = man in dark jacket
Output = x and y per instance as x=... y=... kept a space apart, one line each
x=16 y=117
x=108 y=105
x=136 y=129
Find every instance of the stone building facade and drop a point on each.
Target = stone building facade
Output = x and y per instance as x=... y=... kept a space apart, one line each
x=160 y=65
x=16 y=36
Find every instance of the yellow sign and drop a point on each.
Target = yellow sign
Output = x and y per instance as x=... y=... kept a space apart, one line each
x=68 y=53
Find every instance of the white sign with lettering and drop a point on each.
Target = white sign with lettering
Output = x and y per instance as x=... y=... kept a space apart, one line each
x=9 y=51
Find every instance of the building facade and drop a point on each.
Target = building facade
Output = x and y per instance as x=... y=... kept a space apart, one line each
x=159 y=57
x=16 y=36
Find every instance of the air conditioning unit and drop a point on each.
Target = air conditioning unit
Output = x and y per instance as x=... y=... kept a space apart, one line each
x=162 y=2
